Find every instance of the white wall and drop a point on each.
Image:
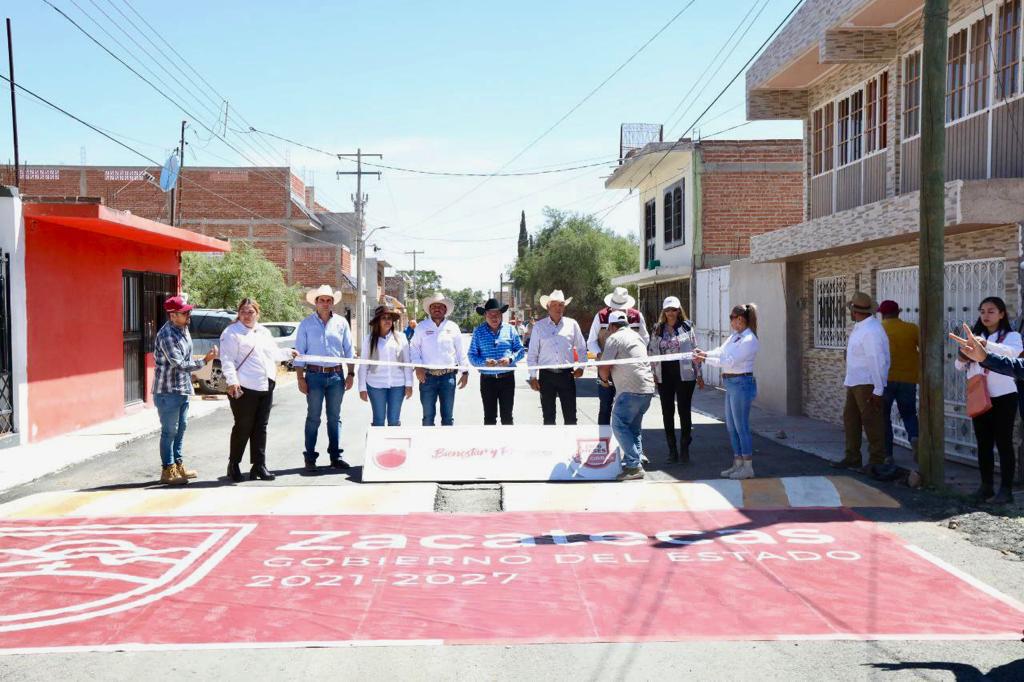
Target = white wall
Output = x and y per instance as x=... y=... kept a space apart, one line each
x=677 y=166
x=12 y=241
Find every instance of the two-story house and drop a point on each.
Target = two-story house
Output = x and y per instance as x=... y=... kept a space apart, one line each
x=851 y=71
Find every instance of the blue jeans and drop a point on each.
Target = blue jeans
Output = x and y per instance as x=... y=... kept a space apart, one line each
x=172 y=408
x=739 y=394
x=329 y=387
x=437 y=388
x=605 y=398
x=627 y=420
x=905 y=397
x=386 y=403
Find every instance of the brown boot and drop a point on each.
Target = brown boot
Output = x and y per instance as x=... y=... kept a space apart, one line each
x=170 y=476
x=186 y=473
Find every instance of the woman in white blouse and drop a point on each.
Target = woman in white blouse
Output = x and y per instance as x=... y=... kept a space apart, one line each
x=995 y=427
x=249 y=359
x=736 y=359
x=385 y=386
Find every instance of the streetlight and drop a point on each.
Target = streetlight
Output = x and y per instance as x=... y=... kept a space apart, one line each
x=361 y=276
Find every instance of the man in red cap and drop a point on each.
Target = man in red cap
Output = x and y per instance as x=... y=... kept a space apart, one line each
x=901 y=388
x=172 y=386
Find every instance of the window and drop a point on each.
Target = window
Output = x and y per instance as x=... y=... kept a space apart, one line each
x=850 y=127
x=877 y=125
x=650 y=233
x=1008 y=49
x=981 y=32
x=912 y=95
x=830 y=312
x=956 y=75
x=673 y=211
x=816 y=140
x=828 y=137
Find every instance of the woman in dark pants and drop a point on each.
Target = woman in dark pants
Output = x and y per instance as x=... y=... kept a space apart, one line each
x=995 y=427
x=676 y=379
x=249 y=362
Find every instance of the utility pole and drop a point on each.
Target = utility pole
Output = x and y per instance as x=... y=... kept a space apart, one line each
x=415 y=298
x=14 y=106
x=181 y=169
x=359 y=200
x=931 y=443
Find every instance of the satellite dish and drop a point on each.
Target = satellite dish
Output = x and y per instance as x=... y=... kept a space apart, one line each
x=169 y=173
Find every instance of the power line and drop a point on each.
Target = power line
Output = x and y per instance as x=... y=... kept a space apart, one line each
x=745 y=123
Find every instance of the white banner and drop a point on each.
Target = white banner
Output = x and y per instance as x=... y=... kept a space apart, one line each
x=491 y=453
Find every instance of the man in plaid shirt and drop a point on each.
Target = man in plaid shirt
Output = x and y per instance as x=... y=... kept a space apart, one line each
x=172 y=386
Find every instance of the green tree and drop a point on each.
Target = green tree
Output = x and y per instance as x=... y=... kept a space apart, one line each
x=424 y=284
x=575 y=253
x=466 y=300
x=222 y=281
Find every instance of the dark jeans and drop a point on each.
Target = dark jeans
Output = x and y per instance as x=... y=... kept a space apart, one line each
x=251 y=412
x=438 y=388
x=606 y=398
x=558 y=383
x=498 y=391
x=905 y=397
x=674 y=391
x=172 y=408
x=995 y=427
x=326 y=391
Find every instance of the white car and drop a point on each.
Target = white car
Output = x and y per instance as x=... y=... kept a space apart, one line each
x=284 y=334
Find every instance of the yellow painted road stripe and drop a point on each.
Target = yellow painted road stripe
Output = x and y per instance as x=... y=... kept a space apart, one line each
x=764 y=493
x=854 y=493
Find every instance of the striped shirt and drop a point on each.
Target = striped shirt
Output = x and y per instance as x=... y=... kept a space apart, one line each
x=174 y=363
x=490 y=345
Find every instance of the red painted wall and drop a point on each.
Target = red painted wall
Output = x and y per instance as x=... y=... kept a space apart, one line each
x=75 y=341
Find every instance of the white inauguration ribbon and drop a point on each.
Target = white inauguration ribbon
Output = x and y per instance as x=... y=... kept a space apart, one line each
x=331 y=361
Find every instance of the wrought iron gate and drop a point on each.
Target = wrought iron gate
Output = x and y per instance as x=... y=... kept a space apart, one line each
x=6 y=359
x=966 y=283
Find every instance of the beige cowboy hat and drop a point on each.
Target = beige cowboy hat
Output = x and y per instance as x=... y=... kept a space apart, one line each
x=861 y=303
x=438 y=297
x=323 y=290
x=619 y=299
x=556 y=296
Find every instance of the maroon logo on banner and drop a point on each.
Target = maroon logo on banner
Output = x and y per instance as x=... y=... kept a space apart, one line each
x=68 y=574
x=595 y=453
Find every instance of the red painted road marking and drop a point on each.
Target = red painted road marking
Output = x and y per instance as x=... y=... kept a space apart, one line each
x=523 y=577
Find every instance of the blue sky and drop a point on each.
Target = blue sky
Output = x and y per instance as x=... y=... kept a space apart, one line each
x=455 y=86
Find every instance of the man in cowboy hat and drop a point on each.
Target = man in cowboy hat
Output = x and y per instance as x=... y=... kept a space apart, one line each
x=867 y=366
x=437 y=341
x=496 y=345
x=326 y=336
x=557 y=340
x=619 y=299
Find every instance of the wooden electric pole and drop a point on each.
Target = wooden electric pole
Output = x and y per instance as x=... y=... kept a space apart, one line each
x=931 y=443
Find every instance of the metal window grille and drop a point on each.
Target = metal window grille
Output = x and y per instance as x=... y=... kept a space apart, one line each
x=830 y=312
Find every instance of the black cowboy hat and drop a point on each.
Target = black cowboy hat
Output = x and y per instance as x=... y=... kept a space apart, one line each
x=492 y=304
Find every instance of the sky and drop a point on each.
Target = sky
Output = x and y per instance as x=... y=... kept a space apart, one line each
x=454 y=86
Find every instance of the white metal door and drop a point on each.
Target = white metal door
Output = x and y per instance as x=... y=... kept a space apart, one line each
x=712 y=314
x=966 y=283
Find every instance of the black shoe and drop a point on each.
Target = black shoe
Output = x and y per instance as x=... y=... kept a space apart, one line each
x=684 y=449
x=1004 y=496
x=260 y=472
x=310 y=468
x=983 y=493
x=673 y=453
x=339 y=463
x=845 y=464
x=234 y=473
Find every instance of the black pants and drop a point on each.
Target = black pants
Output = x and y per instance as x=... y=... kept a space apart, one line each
x=674 y=391
x=995 y=427
x=558 y=383
x=251 y=412
x=498 y=391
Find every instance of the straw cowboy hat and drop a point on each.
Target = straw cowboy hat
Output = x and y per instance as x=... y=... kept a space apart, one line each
x=323 y=290
x=861 y=303
x=619 y=299
x=556 y=296
x=438 y=297
x=491 y=304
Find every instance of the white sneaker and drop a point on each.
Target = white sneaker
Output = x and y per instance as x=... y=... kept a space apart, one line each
x=736 y=462
x=745 y=470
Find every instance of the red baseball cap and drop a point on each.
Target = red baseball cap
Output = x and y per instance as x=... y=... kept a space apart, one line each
x=176 y=304
x=888 y=307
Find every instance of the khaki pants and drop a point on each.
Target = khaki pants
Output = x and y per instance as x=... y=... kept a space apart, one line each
x=862 y=413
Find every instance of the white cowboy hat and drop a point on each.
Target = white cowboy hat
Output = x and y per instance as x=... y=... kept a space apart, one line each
x=556 y=296
x=438 y=297
x=323 y=290
x=619 y=299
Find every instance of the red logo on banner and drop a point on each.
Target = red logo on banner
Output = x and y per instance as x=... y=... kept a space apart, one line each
x=392 y=458
x=595 y=453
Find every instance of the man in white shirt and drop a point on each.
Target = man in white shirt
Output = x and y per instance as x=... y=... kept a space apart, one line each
x=867 y=367
x=619 y=299
x=438 y=341
x=557 y=340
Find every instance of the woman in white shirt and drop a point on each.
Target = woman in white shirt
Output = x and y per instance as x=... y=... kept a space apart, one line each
x=249 y=360
x=736 y=359
x=995 y=427
x=384 y=386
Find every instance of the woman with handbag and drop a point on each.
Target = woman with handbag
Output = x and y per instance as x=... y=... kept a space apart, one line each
x=675 y=379
x=249 y=360
x=992 y=401
x=384 y=386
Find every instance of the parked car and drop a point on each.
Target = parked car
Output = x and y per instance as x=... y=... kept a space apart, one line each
x=284 y=335
x=205 y=327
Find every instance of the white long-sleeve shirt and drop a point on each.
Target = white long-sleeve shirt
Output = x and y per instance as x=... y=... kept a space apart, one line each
x=442 y=344
x=235 y=343
x=594 y=337
x=998 y=384
x=391 y=348
x=867 y=355
x=553 y=344
x=737 y=354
